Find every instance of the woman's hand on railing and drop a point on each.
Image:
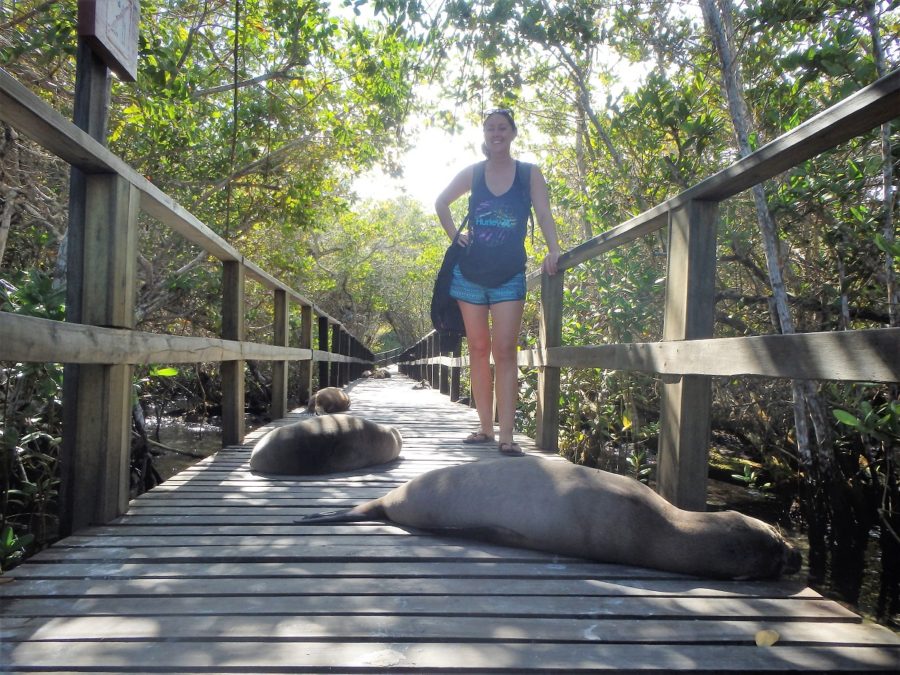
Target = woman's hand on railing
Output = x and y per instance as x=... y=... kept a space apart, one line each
x=550 y=263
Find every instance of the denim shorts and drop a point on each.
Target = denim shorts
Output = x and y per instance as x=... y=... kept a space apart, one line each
x=475 y=294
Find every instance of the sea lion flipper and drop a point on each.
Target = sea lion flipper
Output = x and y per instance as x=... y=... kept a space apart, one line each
x=368 y=511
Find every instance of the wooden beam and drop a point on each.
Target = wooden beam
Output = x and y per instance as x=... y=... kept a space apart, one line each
x=36 y=340
x=31 y=116
x=281 y=335
x=855 y=115
x=323 y=349
x=233 y=426
x=689 y=314
x=846 y=356
x=547 y=413
x=97 y=433
x=304 y=385
x=345 y=350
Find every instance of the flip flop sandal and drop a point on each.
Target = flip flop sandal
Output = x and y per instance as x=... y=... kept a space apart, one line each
x=478 y=437
x=510 y=449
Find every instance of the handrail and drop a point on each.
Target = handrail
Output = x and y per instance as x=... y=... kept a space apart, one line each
x=688 y=355
x=22 y=109
x=105 y=345
x=860 y=112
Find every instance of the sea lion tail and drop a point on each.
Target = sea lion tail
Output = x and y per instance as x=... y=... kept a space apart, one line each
x=369 y=511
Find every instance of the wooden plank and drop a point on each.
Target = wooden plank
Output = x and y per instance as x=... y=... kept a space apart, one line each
x=506 y=629
x=722 y=608
x=445 y=550
x=242 y=656
x=186 y=495
x=314 y=585
x=296 y=538
x=851 y=356
x=371 y=569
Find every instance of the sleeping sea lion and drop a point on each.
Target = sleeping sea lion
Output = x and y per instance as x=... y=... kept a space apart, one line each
x=564 y=508
x=326 y=444
x=328 y=400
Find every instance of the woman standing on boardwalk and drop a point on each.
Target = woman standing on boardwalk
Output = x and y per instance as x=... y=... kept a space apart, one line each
x=489 y=281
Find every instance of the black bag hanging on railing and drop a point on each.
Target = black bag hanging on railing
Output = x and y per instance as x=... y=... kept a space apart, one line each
x=445 y=315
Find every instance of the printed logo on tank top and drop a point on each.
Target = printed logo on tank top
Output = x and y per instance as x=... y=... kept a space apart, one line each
x=495 y=222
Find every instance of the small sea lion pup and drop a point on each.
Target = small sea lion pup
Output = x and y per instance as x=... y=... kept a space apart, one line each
x=326 y=444
x=328 y=400
x=564 y=508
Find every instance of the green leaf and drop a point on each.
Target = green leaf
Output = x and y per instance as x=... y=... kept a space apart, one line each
x=846 y=418
x=891 y=248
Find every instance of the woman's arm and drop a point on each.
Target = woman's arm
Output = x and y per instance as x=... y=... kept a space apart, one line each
x=540 y=199
x=459 y=186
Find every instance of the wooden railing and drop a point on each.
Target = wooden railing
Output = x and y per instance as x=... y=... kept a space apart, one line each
x=105 y=346
x=687 y=357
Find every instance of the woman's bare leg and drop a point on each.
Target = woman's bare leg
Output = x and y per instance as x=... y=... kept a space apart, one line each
x=506 y=320
x=478 y=338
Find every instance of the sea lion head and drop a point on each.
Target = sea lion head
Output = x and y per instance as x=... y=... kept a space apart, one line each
x=756 y=549
x=328 y=400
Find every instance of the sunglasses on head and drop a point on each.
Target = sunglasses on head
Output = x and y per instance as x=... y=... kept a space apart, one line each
x=500 y=111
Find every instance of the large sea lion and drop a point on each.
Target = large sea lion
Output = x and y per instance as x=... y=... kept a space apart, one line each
x=560 y=507
x=326 y=444
x=328 y=400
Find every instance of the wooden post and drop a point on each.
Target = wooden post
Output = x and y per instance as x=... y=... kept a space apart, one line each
x=547 y=413
x=455 y=352
x=98 y=432
x=305 y=375
x=344 y=371
x=82 y=488
x=421 y=355
x=354 y=353
x=434 y=370
x=281 y=337
x=436 y=353
x=443 y=351
x=324 y=366
x=689 y=314
x=232 y=371
x=334 y=372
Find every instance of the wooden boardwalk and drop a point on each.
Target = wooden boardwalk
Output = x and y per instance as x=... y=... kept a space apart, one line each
x=210 y=573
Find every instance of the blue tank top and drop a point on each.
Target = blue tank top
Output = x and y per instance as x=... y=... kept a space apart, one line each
x=499 y=224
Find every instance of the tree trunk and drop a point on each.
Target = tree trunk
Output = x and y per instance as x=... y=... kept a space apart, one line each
x=817 y=463
x=887 y=176
x=807 y=404
x=581 y=141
